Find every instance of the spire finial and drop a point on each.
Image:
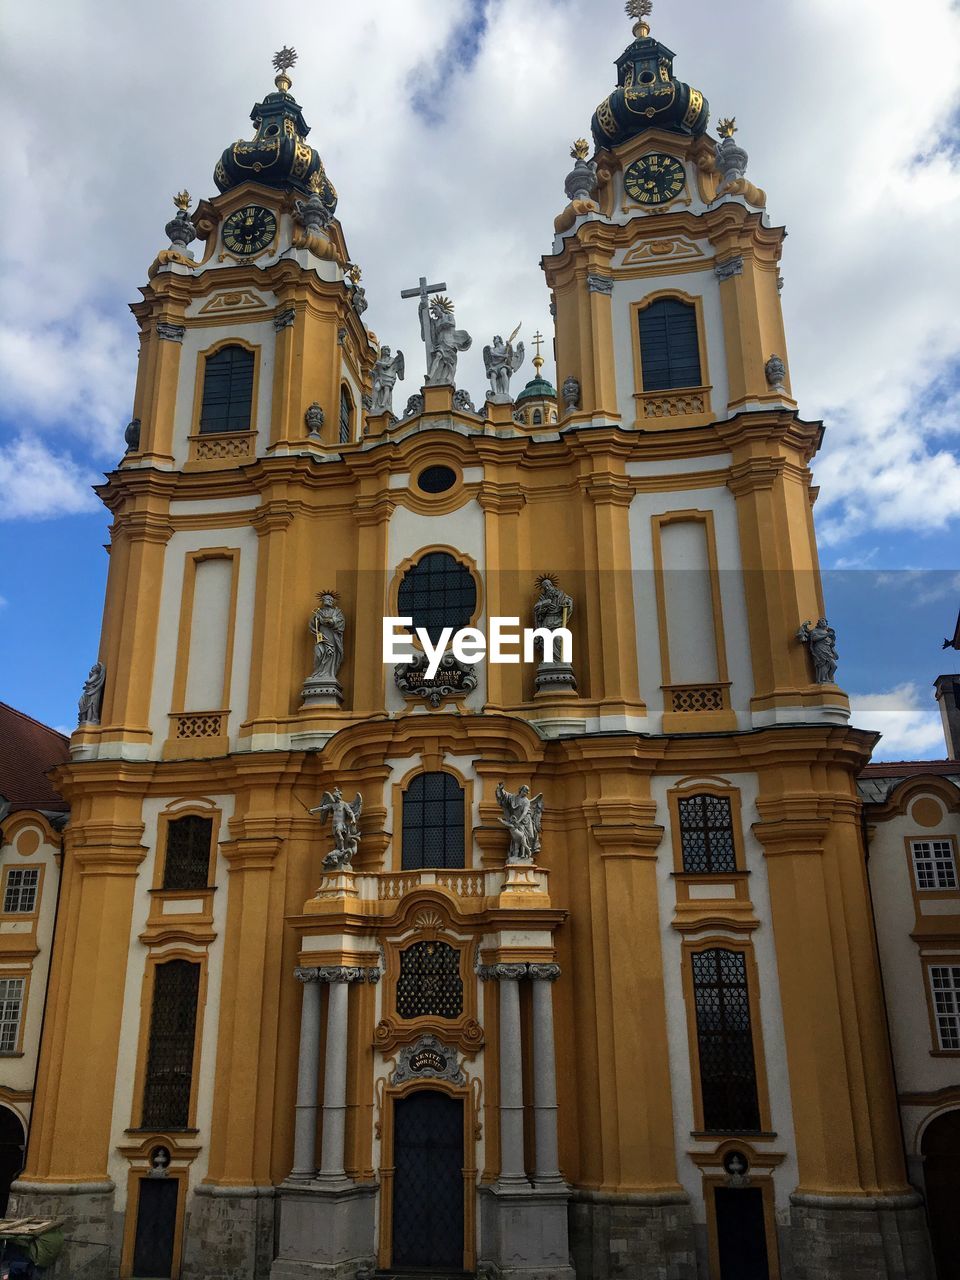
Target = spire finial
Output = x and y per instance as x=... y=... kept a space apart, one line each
x=727 y=127
x=640 y=9
x=182 y=200
x=282 y=62
x=538 y=340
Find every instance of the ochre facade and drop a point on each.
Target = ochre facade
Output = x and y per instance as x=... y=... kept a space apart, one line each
x=679 y=520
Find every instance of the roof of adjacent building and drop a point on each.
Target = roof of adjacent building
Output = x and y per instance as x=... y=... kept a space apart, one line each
x=877 y=781
x=28 y=751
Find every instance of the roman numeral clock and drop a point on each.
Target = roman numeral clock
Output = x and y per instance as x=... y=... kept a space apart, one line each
x=654 y=179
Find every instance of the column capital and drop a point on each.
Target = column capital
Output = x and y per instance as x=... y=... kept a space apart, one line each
x=336 y=973
x=545 y=972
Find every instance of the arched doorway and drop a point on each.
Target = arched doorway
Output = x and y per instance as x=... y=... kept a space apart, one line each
x=428 y=1181
x=13 y=1142
x=941 y=1180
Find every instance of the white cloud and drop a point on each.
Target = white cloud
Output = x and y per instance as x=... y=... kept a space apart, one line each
x=3 y=602
x=859 y=174
x=907 y=717
x=36 y=483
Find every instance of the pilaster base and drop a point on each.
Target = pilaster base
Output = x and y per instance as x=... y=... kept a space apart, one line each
x=229 y=1233
x=326 y=1233
x=633 y=1237
x=91 y=1231
x=524 y=1232
x=859 y=1238
x=554 y=678
x=322 y=692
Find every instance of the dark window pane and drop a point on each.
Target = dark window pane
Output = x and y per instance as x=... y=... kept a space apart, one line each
x=438 y=592
x=187 y=862
x=706 y=834
x=346 y=416
x=728 y=1078
x=173 y=1021
x=433 y=819
x=669 y=346
x=227 y=390
x=429 y=981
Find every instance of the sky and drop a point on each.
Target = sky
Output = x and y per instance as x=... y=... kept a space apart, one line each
x=446 y=127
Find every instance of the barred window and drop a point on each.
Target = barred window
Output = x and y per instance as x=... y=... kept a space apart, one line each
x=669 y=345
x=20 y=891
x=430 y=982
x=437 y=592
x=934 y=864
x=173 y=1023
x=227 y=390
x=706 y=834
x=945 y=985
x=346 y=416
x=11 y=1007
x=432 y=822
x=728 y=1076
x=187 y=861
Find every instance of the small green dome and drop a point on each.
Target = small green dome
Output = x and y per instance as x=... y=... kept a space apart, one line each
x=537 y=389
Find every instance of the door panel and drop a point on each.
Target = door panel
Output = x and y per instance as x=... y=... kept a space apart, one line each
x=428 y=1182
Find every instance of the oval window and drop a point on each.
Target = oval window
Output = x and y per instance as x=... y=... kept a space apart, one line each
x=436 y=479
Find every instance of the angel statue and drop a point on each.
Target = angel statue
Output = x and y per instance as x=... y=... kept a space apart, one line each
x=523 y=819
x=822 y=640
x=444 y=340
x=346 y=832
x=501 y=361
x=386 y=371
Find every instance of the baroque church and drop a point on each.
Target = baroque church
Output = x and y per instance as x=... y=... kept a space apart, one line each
x=561 y=969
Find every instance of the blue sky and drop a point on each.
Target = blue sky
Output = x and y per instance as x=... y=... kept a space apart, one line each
x=446 y=127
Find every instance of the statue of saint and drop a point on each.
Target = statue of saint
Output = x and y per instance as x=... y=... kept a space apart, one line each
x=523 y=817
x=553 y=609
x=345 y=820
x=501 y=361
x=327 y=626
x=822 y=640
x=385 y=374
x=443 y=340
x=91 y=699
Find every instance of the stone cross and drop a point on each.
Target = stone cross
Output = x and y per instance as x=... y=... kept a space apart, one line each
x=538 y=340
x=422 y=290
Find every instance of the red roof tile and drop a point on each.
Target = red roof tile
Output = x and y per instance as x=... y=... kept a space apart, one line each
x=909 y=768
x=28 y=750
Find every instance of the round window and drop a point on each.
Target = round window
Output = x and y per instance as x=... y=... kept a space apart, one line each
x=436 y=479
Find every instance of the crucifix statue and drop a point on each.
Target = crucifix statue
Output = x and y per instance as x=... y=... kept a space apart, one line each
x=438 y=330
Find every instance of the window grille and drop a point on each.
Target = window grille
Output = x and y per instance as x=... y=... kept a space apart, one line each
x=945 y=985
x=706 y=834
x=173 y=1022
x=433 y=833
x=430 y=982
x=187 y=861
x=11 y=1005
x=537 y=417
x=20 y=892
x=728 y=1076
x=227 y=390
x=438 y=592
x=934 y=865
x=346 y=416
x=669 y=345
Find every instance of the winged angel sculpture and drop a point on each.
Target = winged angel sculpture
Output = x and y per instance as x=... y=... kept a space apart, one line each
x=501 y=361
x=346 y=831
x=523 y=819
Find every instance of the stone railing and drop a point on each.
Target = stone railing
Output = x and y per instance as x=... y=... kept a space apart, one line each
x=696 y=697
x=690 y=402
x=223 y=446
x=199 y=724
x=461 y=883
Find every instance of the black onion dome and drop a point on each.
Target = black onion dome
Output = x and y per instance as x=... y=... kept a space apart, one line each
x=648 y=96
x=278 y=155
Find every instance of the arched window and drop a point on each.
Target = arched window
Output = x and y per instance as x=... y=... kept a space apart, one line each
x=669 y=345
x=706 y=834
x=728 y=1073
x=227 y=390
x=346 y=415
x=432 y=823
x=537 y=417
x=437 y=592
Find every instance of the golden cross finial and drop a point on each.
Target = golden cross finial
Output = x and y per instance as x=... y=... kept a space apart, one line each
x=728 y=127
x=538 y=340
x=580 y=149
x=182 y=199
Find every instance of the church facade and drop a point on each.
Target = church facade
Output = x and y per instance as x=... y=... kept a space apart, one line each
x=538 y=970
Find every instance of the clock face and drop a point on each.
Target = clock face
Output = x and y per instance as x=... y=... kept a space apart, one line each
x=654 y=178
x=248 y=230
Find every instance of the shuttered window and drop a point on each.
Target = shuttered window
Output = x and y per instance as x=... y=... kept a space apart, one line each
x=173 y=1024
x=187 y=862
x=432 y=822
x=227 y=390
x=669 y=346
x=728 y=1074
